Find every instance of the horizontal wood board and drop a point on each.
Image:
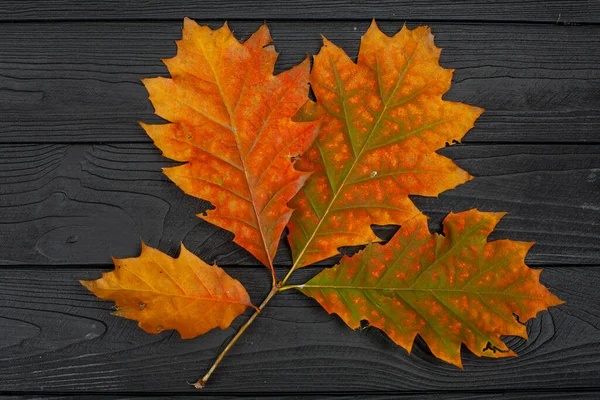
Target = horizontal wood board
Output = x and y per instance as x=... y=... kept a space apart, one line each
x=79 y=204
x=80 y=82
x=60 y=338
x=467 y=395
x=537 y=11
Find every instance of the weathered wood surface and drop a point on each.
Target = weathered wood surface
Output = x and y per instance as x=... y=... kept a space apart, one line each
x=487 y=395
x=57 y=337
x=551 y=11
x=80 y=181
x=79 y=82
x=79 y=204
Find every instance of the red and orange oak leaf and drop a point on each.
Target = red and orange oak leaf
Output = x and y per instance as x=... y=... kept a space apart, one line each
x=163 y=293
x=382 y=120
x=450 y=289
x=231 y=121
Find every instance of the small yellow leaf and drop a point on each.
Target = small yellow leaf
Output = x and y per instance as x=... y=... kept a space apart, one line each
x=163 y=293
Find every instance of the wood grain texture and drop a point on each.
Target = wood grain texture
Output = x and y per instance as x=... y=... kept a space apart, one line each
x=59 y=338
x=79 y=82
x=551 y=11
x=454 y=395
x=79 y=204
x=80 y=181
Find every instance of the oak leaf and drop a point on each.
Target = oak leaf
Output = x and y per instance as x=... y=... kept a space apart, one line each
x=231 y=121
x=163 y=293
x=382 y=120
x=449 y=289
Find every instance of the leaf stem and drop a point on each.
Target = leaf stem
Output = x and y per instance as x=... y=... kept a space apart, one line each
x=290 y=272
x=202 y=381
x=283 y=288
x=273 y=277
x=277 y=287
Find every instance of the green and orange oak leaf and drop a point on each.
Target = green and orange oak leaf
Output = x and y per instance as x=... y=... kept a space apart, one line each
x=449 y=289
x=163 y=293
x=382 y=120
x=231 y=122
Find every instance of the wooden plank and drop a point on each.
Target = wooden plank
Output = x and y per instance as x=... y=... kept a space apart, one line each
x=80 y=204
x=552 y=11
x=455 y=395
x=58 y=338
x=466 y=395
x=79 y=82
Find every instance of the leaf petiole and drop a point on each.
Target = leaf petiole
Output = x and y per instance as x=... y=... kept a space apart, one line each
x=274 y=290
x=202 y=381
x=289 y=274
x=284 y=288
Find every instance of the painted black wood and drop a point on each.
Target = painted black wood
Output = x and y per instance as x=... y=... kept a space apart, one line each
x=79 y=181
x=60 y=338
x=79 y=204
x=493 y=395
x=79 y=82
x=550 y=11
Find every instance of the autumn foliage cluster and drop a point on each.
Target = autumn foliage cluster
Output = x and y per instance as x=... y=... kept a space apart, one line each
x=267 y=157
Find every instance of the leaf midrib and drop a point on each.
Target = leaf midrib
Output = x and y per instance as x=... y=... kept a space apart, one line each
x=346 y=287
x=156 y=292
x=356 y=159
x=233 y=130
x=153 y=290
x=213 y=299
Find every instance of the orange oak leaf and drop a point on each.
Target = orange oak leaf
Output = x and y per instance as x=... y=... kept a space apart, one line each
x=450 y=289
x=382 y=120
x=231 y=121
x=163 y=293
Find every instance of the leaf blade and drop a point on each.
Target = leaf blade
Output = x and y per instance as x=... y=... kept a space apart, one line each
x=163 y=293
x=451 y=289
x=231 y=122
x=382 y=119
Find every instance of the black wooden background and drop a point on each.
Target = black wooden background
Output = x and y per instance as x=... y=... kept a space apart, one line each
x=80 y=181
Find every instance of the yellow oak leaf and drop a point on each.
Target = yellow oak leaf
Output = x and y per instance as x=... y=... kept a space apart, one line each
x=163 y=293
